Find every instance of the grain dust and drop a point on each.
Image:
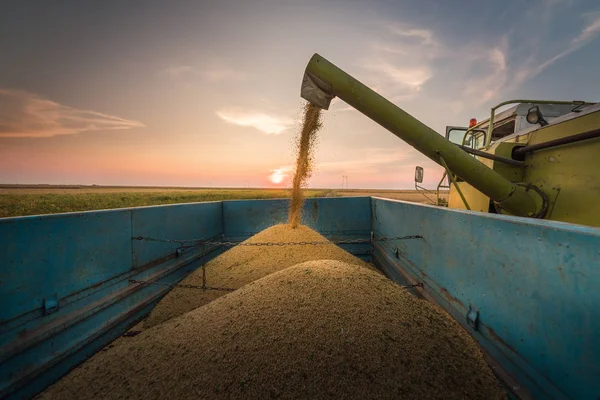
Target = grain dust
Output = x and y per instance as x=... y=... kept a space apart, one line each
x=244 y=264
x=311 y=124
x=317 y=330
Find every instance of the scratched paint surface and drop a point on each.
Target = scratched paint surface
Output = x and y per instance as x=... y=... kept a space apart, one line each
x=535 y=284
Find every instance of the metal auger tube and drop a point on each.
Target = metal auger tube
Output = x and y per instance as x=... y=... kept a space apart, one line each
x=323 y=81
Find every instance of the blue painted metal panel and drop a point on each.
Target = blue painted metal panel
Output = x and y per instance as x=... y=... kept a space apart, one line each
x=35 y=367
x=244 y=218
x=533 y=282
x=82 y=262
x=336 y=218
x=329 y=216
x=180 y=221
x=59 y=255
x=54 y=372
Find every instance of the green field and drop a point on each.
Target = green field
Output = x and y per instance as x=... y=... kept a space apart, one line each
x=19 y=202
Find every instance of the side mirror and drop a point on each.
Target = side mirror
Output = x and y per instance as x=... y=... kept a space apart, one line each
x=419 y=174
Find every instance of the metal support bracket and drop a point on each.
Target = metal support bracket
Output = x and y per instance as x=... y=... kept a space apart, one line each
x=462 y=196
x=50 y=304
x=438 y=200
x=473 y=317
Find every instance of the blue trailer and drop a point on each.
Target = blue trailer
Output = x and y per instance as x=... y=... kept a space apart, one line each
x=525 y=289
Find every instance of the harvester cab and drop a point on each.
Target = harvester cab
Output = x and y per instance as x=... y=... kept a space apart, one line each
x=520 y=118
x=516 y=162
x=523 y=115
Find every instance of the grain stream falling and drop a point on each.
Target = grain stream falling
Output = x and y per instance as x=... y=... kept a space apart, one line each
x=311 y=124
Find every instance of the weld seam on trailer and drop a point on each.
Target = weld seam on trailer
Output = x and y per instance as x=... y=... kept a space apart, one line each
x=20 y=345
x=482 y=336
x=53 y=360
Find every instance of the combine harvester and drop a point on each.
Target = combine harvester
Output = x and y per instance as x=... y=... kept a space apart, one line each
x=514 y=258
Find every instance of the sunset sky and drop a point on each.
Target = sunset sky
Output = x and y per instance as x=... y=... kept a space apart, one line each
x=207 y=93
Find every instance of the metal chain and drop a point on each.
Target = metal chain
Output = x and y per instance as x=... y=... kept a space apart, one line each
x=180 y=285
x=267 y=244
x=203 y=242
x=420 y=284
x=204 y=287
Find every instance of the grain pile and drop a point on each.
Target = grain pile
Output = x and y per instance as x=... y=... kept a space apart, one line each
x=244 y=264
x=311 y=124
x=321 y=329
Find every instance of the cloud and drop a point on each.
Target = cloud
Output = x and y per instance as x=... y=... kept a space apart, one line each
x=413 y=78
x=500 y=77
x=497 y=57
x=493 y=73
x=483 y=69
x=587 y=34
x=267 y=123
x=423 y=36
x=24 y=114
x=213 y=70
x=402 y=65
x=391 y=48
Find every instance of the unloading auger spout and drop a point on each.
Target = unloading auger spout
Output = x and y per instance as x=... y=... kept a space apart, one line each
x=323 y=81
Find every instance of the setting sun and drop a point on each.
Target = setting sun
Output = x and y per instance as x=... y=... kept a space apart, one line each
x=277 y=176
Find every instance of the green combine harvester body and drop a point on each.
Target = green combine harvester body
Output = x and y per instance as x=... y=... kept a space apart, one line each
x=560 y=158
x=537 y=159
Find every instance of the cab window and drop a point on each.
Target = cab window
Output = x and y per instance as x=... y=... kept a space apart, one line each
x=503 y=129
x=455 y=134
x=475 y=139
